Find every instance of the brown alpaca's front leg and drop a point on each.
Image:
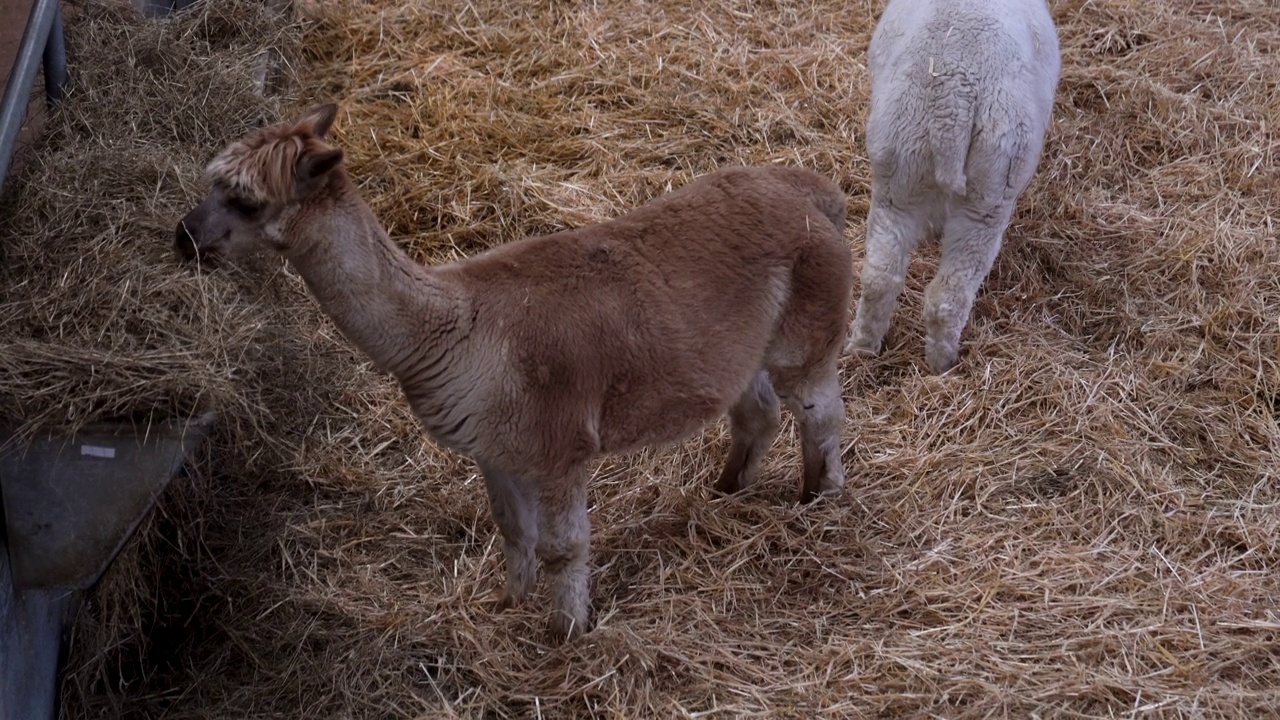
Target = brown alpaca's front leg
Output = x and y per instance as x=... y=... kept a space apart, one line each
x=564 y=536
x=517 y=520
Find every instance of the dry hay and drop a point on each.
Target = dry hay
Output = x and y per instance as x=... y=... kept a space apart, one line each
x=1080 y=521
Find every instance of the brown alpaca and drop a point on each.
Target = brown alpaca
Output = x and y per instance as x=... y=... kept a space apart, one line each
x=538 y=356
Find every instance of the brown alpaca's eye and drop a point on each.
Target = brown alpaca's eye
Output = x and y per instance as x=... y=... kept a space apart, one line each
x=247 y=208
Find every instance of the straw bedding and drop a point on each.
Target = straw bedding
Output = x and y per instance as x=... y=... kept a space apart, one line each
x=1080 y=521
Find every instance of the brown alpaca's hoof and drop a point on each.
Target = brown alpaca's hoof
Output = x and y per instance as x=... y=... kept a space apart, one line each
x=810 y=496
x=728 y=484
x=565 y=629
x=503 y=600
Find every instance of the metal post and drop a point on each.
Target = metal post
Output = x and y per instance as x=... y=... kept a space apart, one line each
x=31 y=626
x=55 y=59
x=13 y=108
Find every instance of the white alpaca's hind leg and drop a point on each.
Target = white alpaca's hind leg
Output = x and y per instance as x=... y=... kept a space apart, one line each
x=970 y=242
x=892 y=234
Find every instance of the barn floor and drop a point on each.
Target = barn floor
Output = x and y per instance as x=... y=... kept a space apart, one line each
x=1081 y=520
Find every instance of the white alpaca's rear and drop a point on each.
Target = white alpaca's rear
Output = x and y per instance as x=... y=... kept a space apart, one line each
x=961 y=96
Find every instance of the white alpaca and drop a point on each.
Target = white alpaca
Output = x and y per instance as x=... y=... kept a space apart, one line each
x=961 y=95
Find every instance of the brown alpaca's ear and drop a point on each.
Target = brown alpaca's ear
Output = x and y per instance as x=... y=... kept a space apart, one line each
x=315 y=164
x=318 y=121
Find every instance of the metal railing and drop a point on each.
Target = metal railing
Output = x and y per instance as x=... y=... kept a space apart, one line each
x=42 y=41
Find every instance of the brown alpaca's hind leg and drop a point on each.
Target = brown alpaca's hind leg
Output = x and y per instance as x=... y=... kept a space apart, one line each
x=563 y=544
x=517 y=520
x=753 y=425
x=819 y=410
x=802 y=360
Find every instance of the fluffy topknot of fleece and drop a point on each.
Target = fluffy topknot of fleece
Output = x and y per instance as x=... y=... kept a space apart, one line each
x=261 y=165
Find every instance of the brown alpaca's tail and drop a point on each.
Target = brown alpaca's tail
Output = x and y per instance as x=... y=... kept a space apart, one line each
x=826 y=196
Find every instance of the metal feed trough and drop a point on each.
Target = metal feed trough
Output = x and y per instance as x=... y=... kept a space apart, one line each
x=69 y=504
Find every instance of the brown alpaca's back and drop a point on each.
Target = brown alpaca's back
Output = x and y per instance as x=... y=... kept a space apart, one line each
x=640 y=330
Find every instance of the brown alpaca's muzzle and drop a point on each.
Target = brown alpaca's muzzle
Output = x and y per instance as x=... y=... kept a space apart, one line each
x=183 y=244
x=187 y=240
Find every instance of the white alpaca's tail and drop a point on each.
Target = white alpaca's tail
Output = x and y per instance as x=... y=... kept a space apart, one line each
x=951 y=128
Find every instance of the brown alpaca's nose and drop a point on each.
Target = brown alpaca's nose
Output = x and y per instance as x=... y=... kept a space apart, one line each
x=184 y=244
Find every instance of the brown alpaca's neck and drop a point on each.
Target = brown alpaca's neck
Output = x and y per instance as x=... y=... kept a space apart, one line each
x=396 y=311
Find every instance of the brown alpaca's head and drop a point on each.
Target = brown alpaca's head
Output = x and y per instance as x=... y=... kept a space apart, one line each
x=256 y=185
